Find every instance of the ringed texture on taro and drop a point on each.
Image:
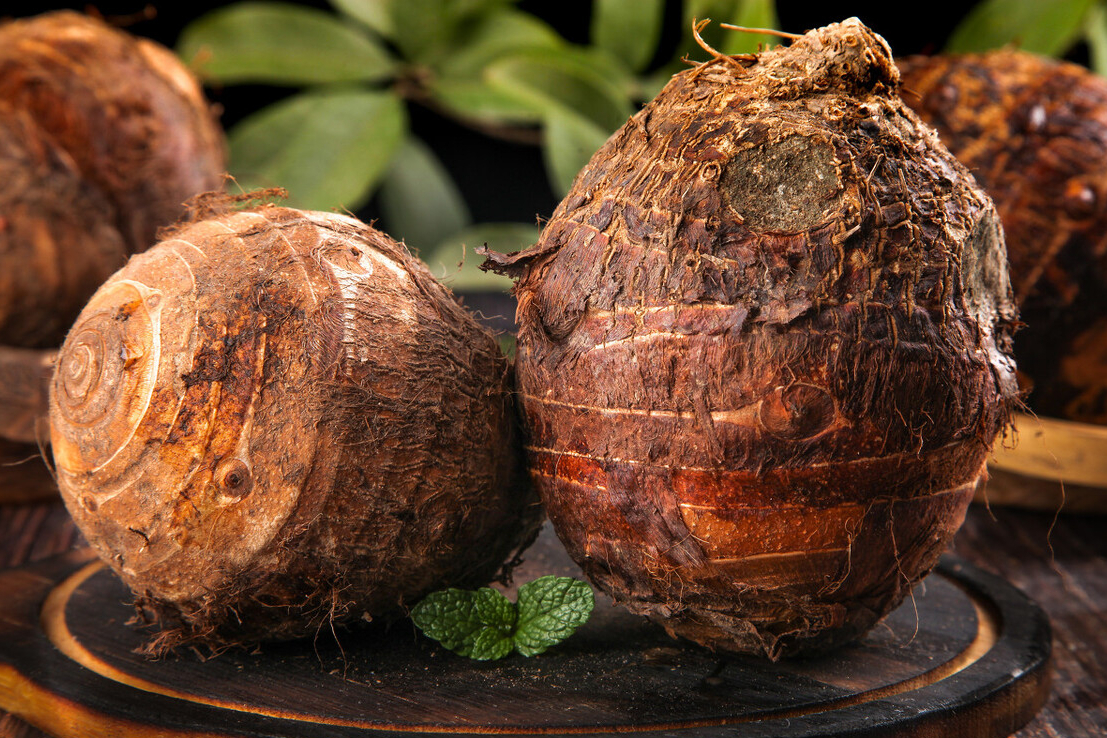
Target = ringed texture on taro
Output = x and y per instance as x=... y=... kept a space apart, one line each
x=1033 y=131
x=103 y=136
x=764 y=349
x=277 y=419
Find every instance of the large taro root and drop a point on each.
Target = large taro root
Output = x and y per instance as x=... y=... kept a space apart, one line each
x=1033 y=131
x=764 y=349
x=276 y=419
x=103 y=136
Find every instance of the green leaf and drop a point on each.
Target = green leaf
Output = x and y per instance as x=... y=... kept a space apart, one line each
x=1048 y=28
x=456 y=263
x=750 y=14
x=282 y=44
x=550 y=609
x=486 y=625
x=475 y=624
x=490 y=644
x=422 y=27
x=329 y=149
x=482 y=102
x=419 y=202
x=508 y=345
x=1095 y=32
x=459 y=85
x=651 y=85
x=628 y=29
x=563 y=80
x=491 y=37
x=718 y=12
x=376 y=14
x=426 y=30
x=570 y=142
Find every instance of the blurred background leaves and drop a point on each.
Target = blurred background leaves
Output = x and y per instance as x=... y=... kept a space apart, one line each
x=354 y=77
x=343 y=135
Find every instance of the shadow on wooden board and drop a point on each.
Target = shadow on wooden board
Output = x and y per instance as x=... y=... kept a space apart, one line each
x=972 y=661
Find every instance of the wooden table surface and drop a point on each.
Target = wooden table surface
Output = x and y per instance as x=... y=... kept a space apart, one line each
x=1061 y=563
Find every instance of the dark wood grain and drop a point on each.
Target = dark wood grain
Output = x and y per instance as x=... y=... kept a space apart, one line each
x=24 y=476
x=1063 y=566
x=34 y=531
x=931 y=669
x=1070 y=584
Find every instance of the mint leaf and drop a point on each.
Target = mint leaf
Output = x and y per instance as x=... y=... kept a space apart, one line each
x=550 y=609
x=490 y=644
x=474 y=624
x=485 y=625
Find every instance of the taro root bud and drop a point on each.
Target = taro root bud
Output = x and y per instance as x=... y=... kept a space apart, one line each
x=276 y=418
x=1033 y=131
x=103 y=136
x=764 y=349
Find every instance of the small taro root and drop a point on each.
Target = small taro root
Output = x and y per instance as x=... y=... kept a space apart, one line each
x=277 y=419
x=1033 y=131
x=763 y=349
x=103 y=136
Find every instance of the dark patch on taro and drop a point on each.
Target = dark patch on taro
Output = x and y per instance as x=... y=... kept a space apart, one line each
x=234 y=479
x=787 y=185
x=857 y=368
x=1034 y=134
x=797 y=412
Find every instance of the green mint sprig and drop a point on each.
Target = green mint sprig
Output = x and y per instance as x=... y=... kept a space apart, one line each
x=485 y=625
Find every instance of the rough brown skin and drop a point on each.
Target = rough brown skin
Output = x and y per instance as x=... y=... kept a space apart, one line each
x=275 y=420
x=103 y=136
x=57 y=240
x=1033 y=131
x=764 y=349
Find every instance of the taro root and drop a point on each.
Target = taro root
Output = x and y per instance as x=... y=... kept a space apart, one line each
x=57 y=240
x=276 y=419
x=103 y=136
x=1033 y=131
x=764 y=349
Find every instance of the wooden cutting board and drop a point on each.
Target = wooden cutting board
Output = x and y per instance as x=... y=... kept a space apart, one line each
x=967 y=657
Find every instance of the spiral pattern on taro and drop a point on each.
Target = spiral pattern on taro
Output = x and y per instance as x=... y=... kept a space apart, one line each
x=106 y=370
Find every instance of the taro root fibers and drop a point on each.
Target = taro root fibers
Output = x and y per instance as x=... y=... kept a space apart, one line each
x=764 y=349
x=276 y=420
x=1033 y=131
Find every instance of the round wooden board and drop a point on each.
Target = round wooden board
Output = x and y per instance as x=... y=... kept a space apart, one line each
x=969 y=656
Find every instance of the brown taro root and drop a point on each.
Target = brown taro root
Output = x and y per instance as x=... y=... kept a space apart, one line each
x=57 y=241
x=763 y=349
x=276 y=419
x=1034 y=133
x=103 y=136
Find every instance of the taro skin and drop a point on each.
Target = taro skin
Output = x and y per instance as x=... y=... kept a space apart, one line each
x=1033 y=131
x=276 y=420
x=103 y=137
x=764 y=349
